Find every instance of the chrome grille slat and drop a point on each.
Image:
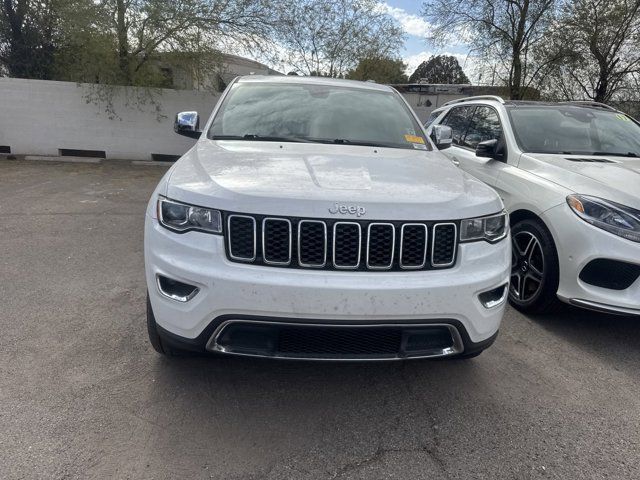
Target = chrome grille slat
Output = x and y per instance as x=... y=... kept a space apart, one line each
x=238 y=237
x=284 y=260
x=341 y=226
x=440 y=249
x=302 y=263
x=406 y=265
x=331 y=244
x=390 y=250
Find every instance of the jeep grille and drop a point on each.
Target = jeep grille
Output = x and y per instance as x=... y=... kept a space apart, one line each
x=340 y=245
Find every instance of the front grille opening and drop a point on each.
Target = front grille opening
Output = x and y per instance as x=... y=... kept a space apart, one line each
x=612 y=274
x=380 y=245
x=444 y=244
x=70 y=152
x=347 y=239
x=312 y=243
x=413 y=246
x=290 y=242
x=242 y=237
x=276 y=241
x=336 y=342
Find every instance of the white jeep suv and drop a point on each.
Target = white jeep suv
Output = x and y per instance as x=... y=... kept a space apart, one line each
x=569 y=175
x=313 y=219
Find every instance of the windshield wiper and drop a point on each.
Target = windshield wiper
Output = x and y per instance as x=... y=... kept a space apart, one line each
x=616 y=154
x=253 y=136
x=361 y=143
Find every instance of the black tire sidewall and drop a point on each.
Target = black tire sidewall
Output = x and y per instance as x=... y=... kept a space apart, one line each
x=547 y=296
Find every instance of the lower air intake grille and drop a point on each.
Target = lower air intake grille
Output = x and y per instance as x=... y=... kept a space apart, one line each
x=325 y=341
x=611 y=274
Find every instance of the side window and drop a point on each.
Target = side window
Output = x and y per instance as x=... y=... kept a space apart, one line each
x=484 y=125
x=458 y=120
x=431 y=119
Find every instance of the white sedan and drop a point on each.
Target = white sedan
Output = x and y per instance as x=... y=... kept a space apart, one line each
x=569 y=175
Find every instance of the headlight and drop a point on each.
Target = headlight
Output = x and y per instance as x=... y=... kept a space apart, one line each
x=181 y=217
x=491 y=229
x=610 y=216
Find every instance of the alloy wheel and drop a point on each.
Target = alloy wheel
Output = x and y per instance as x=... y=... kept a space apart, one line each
x=527 y=267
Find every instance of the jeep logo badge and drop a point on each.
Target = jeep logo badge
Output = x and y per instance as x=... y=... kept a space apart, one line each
x=347 y=209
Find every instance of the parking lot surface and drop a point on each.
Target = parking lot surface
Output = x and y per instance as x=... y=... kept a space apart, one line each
x=83 y=395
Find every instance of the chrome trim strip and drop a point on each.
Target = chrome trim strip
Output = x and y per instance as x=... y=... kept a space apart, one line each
x=393 y=245
x=426 y=243
x=347 y=267
x=173 y=296
x=602 y=307
x=455 y=244
x=495 y=303
x=241 y=259
x=456 y=348
x=264 y=251
x=324 y=261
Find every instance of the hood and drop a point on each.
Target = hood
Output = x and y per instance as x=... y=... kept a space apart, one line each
x=309 y=179
x=610 y=177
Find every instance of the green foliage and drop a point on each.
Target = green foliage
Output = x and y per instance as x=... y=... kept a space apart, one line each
x=504 y=34
x=598 y=50
x=329 y=37
x=379 y=69
x=439 y=69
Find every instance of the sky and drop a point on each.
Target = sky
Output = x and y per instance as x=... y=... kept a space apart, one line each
x=416 y=49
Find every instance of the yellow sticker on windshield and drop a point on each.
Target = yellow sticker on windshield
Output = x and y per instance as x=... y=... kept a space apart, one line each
x=414 y=139
x=623 y=117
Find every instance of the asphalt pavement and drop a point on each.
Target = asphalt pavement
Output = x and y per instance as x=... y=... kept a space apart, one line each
x=83 y=395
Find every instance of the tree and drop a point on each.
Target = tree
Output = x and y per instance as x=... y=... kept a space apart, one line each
x=329 y=37
x=600 y=43
x=381 y=70
x=439 y=69
x=507 y=31
x=27 y=37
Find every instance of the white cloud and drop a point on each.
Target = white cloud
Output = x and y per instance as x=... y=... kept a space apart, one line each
x=411 y=24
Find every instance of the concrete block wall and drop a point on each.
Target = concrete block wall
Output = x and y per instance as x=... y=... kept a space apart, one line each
x=41 y=117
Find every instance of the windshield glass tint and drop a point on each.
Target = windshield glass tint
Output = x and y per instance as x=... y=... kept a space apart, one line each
x=579 y=130
x=316 y=113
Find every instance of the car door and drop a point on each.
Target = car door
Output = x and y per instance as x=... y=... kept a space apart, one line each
x=475 y=124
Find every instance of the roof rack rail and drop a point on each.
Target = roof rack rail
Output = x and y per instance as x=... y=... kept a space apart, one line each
x=477 y=97
x=589 y=103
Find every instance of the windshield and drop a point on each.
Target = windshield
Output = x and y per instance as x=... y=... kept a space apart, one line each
x=316 y=113
x=575 y=130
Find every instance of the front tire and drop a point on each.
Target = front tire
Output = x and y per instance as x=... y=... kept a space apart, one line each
x=534 y=270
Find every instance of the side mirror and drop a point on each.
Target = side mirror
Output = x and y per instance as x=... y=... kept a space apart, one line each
x=487 y=149
x=187 y=124
x=442 y=136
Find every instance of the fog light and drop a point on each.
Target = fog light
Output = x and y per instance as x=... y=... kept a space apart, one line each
x=493 y=298
x=175 y=290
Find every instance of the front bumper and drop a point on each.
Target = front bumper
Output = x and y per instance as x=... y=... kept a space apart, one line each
x=578 y=243
x=238 y=291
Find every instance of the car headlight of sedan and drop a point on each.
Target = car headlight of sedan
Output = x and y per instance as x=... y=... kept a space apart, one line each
x=491 y=229
x=610 y=216
x=181 y=217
